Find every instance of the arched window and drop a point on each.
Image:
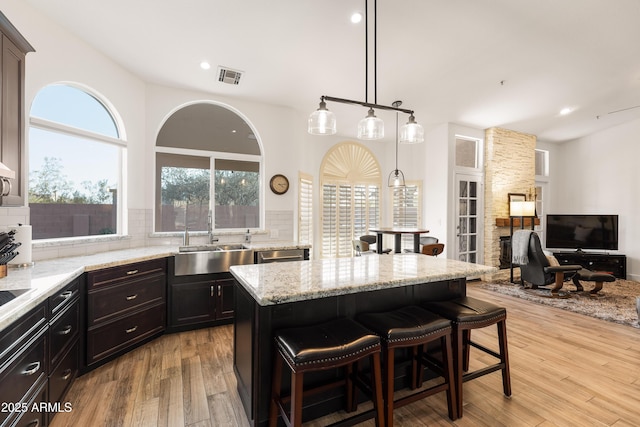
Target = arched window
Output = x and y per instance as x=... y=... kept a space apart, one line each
x=75 y=155
x=351 y=181
x=206 y=152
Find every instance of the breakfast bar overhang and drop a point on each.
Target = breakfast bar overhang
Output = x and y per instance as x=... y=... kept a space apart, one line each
x=274 y=296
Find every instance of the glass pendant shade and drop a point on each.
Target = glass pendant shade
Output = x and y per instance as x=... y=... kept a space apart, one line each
x=412 y=132
x=322 y=121
x=396 y=179
x=371 y=127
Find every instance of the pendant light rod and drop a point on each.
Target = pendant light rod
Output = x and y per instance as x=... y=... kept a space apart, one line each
x=364 y=104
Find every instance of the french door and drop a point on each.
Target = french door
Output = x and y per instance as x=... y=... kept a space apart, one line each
x=469 y=218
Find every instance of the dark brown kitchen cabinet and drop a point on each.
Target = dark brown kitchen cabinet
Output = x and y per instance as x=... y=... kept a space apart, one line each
x=24 y=367
x=64 y=339
x=12 y=109
x=126 y=306
x=200 y=300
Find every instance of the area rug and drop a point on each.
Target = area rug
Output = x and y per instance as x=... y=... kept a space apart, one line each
x=616 y=302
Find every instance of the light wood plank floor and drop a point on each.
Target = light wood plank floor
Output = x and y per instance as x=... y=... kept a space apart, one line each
x=566 y=370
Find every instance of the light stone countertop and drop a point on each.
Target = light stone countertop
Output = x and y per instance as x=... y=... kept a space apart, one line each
x=279 y=283
x=45 y=278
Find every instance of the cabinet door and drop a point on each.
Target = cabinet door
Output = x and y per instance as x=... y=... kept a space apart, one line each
x=12 y=118
x=193 y=302
x=224 y=298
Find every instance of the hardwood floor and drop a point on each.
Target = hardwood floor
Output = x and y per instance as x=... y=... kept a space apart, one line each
x=566 y=370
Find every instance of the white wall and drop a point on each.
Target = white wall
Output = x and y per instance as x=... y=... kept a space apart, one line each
x=600 y=174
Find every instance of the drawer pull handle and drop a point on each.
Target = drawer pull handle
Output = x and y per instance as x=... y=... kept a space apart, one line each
x=132 y=297
x=66 y=374
x=131 y=329
x=66 y=331
x=66 y=294
x=130 y=272
x=32 y=368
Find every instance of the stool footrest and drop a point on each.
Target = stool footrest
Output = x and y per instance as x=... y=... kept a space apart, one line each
x=485 y=349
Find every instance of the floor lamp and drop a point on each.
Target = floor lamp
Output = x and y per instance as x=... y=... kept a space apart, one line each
x=519 y=209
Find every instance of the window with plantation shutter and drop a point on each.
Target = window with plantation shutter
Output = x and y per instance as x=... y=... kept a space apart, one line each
x=350 y=197
x=406 y=210
x=305 y=209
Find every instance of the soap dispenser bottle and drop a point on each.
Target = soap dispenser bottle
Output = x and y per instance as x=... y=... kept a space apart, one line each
x=247 y=237
x=185 y=238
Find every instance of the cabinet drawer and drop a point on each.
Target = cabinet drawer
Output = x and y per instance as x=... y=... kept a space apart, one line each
x=63 y=375
x=63 y=331
x=19 y=332
x=110 y=338
x=117 y=300
x=34 y=418
x=24 y=373
x=58 y=301
x=104 y=277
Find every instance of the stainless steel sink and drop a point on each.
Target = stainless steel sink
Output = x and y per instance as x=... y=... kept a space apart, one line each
x=207 y=259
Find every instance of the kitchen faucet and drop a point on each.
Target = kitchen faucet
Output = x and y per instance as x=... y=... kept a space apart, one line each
x=210 y=229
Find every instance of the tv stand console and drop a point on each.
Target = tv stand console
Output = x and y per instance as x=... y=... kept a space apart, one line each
x=612 y=264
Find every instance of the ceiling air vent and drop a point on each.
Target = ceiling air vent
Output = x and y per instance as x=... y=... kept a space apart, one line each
x=229 y=76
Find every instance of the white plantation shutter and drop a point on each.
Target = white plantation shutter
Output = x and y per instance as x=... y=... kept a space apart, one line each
x=329 y=221
x=305 y=210
x=345 y=221
x=406 y=210
x=350 y=197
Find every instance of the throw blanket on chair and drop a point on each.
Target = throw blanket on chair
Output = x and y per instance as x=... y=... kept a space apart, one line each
x=520 y=246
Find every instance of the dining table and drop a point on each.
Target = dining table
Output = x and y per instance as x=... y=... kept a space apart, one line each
x=397 y=233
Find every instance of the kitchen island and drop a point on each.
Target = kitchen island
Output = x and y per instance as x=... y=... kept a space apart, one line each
x=274 y=296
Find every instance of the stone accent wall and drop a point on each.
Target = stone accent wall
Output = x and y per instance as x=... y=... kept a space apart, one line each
x=509 y=168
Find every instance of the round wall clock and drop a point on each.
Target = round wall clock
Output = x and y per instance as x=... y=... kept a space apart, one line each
x=279 y=184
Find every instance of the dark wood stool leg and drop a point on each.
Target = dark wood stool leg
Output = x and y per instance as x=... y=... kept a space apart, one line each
x=296 y=398
x=275 y=390
x=458 y=372
x=351 y=371
x=504 y=357
x=467 y=349
x=389 y=387
x=447 y=371
x=376 y=388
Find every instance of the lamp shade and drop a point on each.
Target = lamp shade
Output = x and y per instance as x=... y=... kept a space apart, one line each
x=523 y=208
x=371 y=127
x=411 y=132
x=322 y=121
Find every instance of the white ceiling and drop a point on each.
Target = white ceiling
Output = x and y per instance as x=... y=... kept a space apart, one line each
x=481 y=63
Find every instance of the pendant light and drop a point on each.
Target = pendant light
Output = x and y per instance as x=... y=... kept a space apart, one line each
x=371 y=127
x=322 y=121
x=411 y=132
x=396 y=177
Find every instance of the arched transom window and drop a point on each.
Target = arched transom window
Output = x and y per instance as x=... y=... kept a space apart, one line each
x=351 y=180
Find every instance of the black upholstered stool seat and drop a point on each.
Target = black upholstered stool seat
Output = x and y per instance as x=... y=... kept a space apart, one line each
x=469 y=313
x=468 y=310
x=312 y=347
x=330 y=345
x=413 y=327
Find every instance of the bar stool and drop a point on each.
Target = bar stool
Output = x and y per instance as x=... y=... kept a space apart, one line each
x=337 y=343
x=469 y=313
x=413 y=327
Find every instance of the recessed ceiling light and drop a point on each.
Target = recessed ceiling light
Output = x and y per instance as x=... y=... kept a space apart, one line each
x=565 y=111
x=356 y=17
x=205 y=65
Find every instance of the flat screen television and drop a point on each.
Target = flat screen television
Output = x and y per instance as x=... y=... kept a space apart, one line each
x=582 y=232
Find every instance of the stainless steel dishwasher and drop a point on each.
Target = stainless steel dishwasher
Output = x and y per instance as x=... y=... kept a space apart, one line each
x=263 y=257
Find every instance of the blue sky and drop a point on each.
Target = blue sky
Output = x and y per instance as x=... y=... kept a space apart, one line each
x=83 y=160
